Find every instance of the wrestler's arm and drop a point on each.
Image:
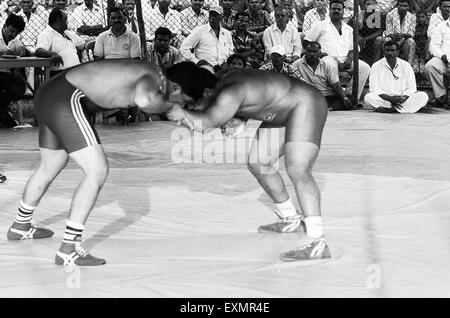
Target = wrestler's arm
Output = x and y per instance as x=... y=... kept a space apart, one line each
x=223 y=108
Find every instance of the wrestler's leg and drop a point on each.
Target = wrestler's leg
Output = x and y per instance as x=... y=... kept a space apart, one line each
x=266 y=149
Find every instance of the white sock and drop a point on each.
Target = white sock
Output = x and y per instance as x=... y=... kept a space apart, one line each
x=286 y=209
x=314 y=226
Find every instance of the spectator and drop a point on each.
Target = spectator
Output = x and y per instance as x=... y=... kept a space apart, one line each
x=281 y=33
x=12 y=88
x=277 y=63
x=193 y=16
x=386 y=5
x=161 y=53
x=130 y=10
x=318 y=13
x=163 y=16
x=421 y=39
x=438 y=65
x=88 y=20
x=34 y=24
x=370 y=32
x=247 y=43
x=259 y=19
x=439 y=17
x=336 y=39
x=236 y=61
x=400 y=27
x=324 y=77
x=228 y=14
x=58 y=43
x=392 y=84
x=288 y=4
x=119 y=41
x=209 y=43
x=62 y=5
x=424 y=5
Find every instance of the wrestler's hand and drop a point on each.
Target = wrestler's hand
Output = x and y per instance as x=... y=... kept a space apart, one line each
x=177 y=114
x=233 y=127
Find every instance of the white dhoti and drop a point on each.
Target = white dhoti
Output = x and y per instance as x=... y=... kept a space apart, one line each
x=415 y=102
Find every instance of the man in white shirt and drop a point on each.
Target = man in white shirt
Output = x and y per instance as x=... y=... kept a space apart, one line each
x=89 y=20
x=34 y=24
x=281 y=33
x=438 y=65
x=288 y=4
x=193 y=16
x=336 y=39
x=439 y=17
x=58 y=43
x=314 y=15
x=392 y=84
x=209 y=42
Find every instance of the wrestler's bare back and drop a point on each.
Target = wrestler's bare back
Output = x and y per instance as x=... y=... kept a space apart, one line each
x=266 y=95
x=112 y=83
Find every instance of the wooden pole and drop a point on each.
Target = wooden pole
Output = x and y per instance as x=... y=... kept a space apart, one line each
x=141 y=28
x=355 y=52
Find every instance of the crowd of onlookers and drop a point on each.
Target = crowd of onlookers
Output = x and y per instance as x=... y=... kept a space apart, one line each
x=308 y=39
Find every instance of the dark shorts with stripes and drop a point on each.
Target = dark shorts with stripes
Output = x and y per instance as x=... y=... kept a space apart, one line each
x=63 y=117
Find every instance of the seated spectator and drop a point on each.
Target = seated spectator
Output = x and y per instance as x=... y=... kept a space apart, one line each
x=439 y=17
x=12 y=88
x=336 y=39
x=318 y=13
x=247 y=43
x=119 y=42
x=236 y=61
x=281 y=33
x=371 y=27
x=209 y=43
x=228 y=14
x=293 y=20
x=259 y=19
x=324 y=77
x=277 y=63
x=58 y=43
x=62 y=5
x=160 y=52
x=392 y=84
x=400 y=27
x=438 y=65
x=193 y=16
x=421 y=39
x=163 y=16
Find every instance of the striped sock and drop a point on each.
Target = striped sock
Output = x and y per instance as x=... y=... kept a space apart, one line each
x=73 y=232
x=25 y=213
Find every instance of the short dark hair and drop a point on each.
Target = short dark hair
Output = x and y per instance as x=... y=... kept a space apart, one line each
x=391 y=43
x=55 y=15
x=241 y=13
x=116 y=9
x=236 y=56
x=192 y=78
x=16 y=21
x=163 y=31
x=337 y=1
x=314 y=43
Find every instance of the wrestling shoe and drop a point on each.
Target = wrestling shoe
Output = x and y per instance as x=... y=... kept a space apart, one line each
x=78 y=256
x=315 y=249
x=32 y=233
x=285 y=225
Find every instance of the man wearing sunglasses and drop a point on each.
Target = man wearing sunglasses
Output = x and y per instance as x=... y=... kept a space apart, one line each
x=392 y=84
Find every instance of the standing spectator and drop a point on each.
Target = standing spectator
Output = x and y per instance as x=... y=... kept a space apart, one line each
x=392 y=84
x=119 y=41
x=58 y=43
x=400 y=27
x=288 y=4
x=11 y=87
x=247 y=43
x=277 y=63
x=88 y=20
x=228 y=14
x=210 y=42
x=34 y=24
x=438 y=65
x=193 y=16
x=130 y=10
x=161 y=53
x=370 y=31
x=281 y=33
x=163 y=16
x=421 y=39
x=439 y=17
x=259 y=19
x=314 y=15
x=336 y=39
x=325 y=78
